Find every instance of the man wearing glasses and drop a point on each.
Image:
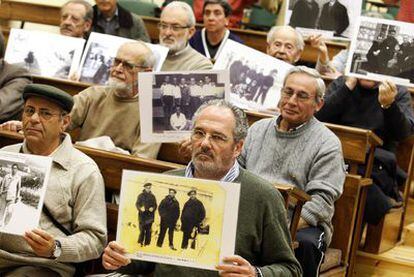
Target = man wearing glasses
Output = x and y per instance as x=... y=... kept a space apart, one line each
x=177 y=26
x=295 y=148
x=72 y=227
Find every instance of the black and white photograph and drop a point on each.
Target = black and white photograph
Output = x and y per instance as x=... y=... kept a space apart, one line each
x=23 y=181
x=99 y=53
x=255 y=78
x=177 y=220
x=44 y=54
x=174 y=98
x=382 y=49
x=331 y=18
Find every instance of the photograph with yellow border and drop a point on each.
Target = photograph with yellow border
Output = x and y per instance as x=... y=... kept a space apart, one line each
x=176 y=220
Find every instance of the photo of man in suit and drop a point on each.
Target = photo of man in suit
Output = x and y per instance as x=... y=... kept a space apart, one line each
x=146 y=205
x=9 y=194
x=169 y=211
x=334 y=17
x=191 y=217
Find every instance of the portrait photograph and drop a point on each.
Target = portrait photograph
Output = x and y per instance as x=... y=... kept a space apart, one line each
x=255 y=78
x=44 y=54
x=382 y=49
x=331 y=18
x=23 y=181
x=99 y=53
x=172 y=98
x=176 y=220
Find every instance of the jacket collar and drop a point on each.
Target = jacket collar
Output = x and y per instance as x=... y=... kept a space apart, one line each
x=124 y=17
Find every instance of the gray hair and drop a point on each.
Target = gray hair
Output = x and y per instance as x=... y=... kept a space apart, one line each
x=88 y=8
x=187 y=9
x=241 y=126
x=320 y=84
x=271 y=35
x=2 y=45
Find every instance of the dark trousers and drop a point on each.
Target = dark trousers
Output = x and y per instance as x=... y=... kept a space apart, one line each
x=186 y=237
x=163 y=230
x=144 y=233
x=311 y=250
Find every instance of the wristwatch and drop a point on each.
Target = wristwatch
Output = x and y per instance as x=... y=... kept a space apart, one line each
x=385 y=106
x=58 y=250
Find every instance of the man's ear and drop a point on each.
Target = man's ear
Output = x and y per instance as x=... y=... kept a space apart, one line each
x=319 y=105
x=88 y=26
x=191 y=32
x=238 y=148
x=297 y=56
x=65 y=122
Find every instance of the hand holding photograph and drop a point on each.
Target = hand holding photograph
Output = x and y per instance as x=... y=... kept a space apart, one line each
x=200 y=217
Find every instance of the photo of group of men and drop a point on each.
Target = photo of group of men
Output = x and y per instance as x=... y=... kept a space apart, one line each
x=191 y=216
x=176 y=97
x=386 y=49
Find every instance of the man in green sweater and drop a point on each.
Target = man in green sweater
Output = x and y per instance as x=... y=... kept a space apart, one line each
x=263 y=244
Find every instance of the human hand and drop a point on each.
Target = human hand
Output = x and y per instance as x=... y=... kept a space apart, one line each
x=114 y=256
x=387 y=93
x=236 y=266
x=41 y=242
x=185 y=149
x=12 y=125
x=351 y=82
x=151 y=209
x=302 y=224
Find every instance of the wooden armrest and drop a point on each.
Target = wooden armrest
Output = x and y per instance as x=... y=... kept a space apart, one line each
x=295 y=192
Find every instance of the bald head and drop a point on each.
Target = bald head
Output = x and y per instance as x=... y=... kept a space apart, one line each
x=138 y=52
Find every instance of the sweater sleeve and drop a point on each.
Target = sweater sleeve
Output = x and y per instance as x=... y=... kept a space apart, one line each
x=147 y=150
x=325 y=183
x=80 y=109
x=276 y=252
x=399 y=118
x=89 y=223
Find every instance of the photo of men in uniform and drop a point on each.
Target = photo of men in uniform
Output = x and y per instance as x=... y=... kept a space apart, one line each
x=191 y=217
x=146 y=205
x=169 y=211
x=9 y=194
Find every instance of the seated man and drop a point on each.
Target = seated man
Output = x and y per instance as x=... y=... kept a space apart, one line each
x=178 y=120
x=295 y=148
x=12 y=81
x=263 y=245
x=387 y=111
x=211 y=39
x=76 y=19
x=177 y=26
x=111 y=19
x=72 y=226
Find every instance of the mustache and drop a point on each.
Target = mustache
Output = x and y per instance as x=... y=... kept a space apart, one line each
x=205 y=151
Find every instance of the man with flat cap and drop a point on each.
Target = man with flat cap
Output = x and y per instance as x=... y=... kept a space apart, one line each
x=72 y=227
x=191 y=217
x=146 y=205
x=169 y=211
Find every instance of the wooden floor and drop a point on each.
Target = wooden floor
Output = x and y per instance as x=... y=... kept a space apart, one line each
x=398 y=261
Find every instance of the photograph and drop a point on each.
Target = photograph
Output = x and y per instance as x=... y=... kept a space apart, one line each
x=176 y=220
x=23 y=182
x=99 y=53
x=44 y=54
x=331 y=18
x=383 y=49
x=172 y=98
x=255 y=78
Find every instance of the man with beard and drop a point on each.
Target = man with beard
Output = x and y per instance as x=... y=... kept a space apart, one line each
x=76 y=18
x=146 y=205
x=177 y=26
x=263 y=245
x=191 y=217
x=169 y=211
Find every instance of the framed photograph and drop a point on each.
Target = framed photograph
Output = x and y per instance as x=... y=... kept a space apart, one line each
x=23 y=182
x=331 y=18
x=200 y=217
x=255 y=78
x=99 y=53
x=382 y=49
x=172 y=98
x=44 y=54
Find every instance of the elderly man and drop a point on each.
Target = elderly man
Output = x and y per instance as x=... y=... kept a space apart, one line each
x=72 y=226
x=263 y=241
x=111 y=19
x=177 y=26
x=386 y=110
x=295 y=148
x=76 y=18
x=211 y=39
x=12 y=81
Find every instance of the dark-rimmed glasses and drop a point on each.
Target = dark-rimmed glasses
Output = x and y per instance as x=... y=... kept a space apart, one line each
x=125 y=64
x=44 y=114
x=173 y=27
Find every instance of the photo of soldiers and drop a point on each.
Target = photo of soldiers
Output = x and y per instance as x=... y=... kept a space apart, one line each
x=169 y=211
x=146 y=205
x=191 y=217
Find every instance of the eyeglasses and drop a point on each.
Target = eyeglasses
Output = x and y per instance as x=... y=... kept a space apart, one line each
x=43 y=113
x=126 y=65
x=173 y=27
x=215 y=138
x=300 y=95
